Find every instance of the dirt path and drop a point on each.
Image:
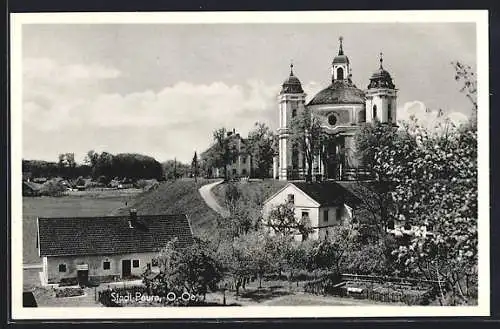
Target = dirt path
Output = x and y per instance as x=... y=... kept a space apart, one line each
x=209 y=198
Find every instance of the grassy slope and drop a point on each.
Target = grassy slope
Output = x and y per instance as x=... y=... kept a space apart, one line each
x=254 y=190
x=176 y=197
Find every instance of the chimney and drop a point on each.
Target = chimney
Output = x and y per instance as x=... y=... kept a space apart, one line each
x=132 y=220
x=234 y=130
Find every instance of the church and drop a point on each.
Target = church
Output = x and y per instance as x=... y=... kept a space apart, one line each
x=341 y=109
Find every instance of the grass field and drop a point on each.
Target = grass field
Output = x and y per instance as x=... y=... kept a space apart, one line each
x=176 y=197
x=257 y=191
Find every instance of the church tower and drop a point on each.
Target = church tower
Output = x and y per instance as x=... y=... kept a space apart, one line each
x=381 y=97
x=291 y=102
x=341 y=68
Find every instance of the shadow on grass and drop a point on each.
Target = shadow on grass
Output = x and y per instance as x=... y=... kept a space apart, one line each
x=263 y=294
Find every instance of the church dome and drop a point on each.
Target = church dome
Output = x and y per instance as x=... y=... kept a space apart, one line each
x=292 y=84
x=341 y=59
x=339 y=92
x=381 y=78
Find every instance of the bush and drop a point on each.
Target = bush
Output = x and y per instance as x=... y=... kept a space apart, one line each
x=69 y=292
x=52 y=187
x=68 y=282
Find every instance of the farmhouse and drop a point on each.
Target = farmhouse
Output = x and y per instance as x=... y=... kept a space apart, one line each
x=106 y=248
x=324 y=205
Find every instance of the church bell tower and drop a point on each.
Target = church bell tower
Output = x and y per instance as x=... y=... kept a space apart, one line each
x=291 y=103
x=381 y=97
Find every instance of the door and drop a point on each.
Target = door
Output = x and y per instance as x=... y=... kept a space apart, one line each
x=126 y=268
x=83 y=276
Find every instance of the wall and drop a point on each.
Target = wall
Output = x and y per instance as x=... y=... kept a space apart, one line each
x=95 y=264
x=302 y=203
x=327 y=226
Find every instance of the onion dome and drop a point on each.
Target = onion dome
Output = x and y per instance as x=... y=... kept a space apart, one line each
x=292 y=84
x=339 y=92
x=381 y=78
x=340 y=58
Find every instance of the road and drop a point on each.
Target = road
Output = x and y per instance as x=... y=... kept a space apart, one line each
x=210 y=200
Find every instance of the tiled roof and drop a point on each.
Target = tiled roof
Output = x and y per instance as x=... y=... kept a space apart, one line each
x=110 y=235
x=328 y=193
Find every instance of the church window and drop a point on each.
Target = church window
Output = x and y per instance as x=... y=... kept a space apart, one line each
x=340 y=74
x=389 y=112
x=374 y=111
x=62 y=267
x=294 y=113
x=332 y=119
x=362 y=116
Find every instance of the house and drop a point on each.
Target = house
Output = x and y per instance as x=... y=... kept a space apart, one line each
x=106 y=248
x=324 y=204
x=240 y=166
x=31 y=189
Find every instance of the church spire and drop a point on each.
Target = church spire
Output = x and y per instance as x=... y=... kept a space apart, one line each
x=381 y=60
x=341 y=50
x=291 y=68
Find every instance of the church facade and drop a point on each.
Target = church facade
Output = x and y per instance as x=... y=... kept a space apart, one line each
x=341 y=109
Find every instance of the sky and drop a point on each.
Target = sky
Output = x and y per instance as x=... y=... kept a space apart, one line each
x=162 y=89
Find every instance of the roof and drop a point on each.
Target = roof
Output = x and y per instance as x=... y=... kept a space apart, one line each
x=33 y=186
x=381 y=78
x=292 y=84
x=328 y=193
x=111 y=234
x=341 y=59
x=339 y=92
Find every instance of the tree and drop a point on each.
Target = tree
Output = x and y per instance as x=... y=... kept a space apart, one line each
x=260 y=145
x=333 y=254
x=308 y=136
x=195 y=166
x=223 y=152
x=67 y=164
x=283 y=221
x=437 y=191
x=174 y=169
x=194 y=268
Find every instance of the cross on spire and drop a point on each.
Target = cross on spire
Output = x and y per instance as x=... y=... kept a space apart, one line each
x=341 y=51
x=381 y=60
x=291 y=67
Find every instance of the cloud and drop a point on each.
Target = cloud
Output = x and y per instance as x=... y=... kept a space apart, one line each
x=183 y=116
x=429 y=119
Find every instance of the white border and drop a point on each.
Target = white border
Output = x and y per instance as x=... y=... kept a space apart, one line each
x=480 y=17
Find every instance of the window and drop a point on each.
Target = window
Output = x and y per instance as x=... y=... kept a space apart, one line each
x=244 y=172
x=338 y=213
x=325 y=215
x=244 y=160
x=332 y=119
x=362 y=116
x=291 y=198
x=340 y=74
x=106 y=265
x=294 y=113
x=374 y=112
x=62 y=267
x=389 y=112
x=390 y=225
x=154 y=262
x=305 y=214
x=135 y=263
x=234 y=171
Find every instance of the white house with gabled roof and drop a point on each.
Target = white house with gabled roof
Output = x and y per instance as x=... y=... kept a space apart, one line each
x=325 y=204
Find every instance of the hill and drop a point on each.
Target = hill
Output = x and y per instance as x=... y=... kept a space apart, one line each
x=255 y=191
x=174 y=197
